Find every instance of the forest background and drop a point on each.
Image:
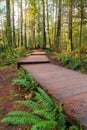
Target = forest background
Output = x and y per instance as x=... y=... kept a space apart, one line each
x=57 y=24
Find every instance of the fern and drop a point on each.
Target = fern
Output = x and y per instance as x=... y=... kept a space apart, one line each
x=29 y=103
x=23 y=75
x=19 y=113
x=44 y=99
x=25 y=80
x=61 y=123
x=21 y=120
x=73 y=128
x=21 y=117
x=22 y=82
x=45 y=114
x=44 y=125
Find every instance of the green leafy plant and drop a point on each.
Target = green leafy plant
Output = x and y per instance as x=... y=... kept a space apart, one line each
x=25 y=80
x=44 y=115
x=73 y=127
x=76 y=66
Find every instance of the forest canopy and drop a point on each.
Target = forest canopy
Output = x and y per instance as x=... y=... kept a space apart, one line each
x=56 y=24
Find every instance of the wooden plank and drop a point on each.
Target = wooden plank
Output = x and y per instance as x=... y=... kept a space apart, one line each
x=34 y=59
x=39 y=53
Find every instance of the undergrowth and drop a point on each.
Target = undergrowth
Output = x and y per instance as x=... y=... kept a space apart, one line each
x=67 y=60
x=9 y=55
x=24 y=80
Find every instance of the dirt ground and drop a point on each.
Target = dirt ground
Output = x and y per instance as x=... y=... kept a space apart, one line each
x=8 y=96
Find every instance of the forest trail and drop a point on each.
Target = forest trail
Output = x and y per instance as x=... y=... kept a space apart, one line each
x=67 y=86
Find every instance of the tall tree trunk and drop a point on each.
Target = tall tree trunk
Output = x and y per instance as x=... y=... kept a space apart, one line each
x=48 y=24
x=44 y=31
x=81 y=26
x=25 y=33
x=34 y=32
x=13 y=25
x=55 y=31
x=18 y=25
x=8 y=18
x=70 y=24
x=21 y=23
x=58 y=26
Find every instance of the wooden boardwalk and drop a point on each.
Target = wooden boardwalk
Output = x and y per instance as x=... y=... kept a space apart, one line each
x=67 y=86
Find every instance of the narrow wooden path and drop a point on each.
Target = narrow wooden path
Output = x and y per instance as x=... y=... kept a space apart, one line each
x=67 y=86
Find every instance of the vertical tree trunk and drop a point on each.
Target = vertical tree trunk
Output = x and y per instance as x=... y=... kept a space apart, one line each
x=13 y=25
x=34 y=32
x=48 y=24
x=8 y=18
x=55 y=31
x=70 y=25
x=44 y=31
x=81 y=26
x=25 y=33
x=58 y=26
x=21 y=23
x=18 y=25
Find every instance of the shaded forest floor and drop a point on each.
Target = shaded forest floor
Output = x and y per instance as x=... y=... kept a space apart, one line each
x=8 y=96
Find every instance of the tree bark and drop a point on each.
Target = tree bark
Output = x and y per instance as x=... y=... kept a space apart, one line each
x=13 y=25
x=58 y=26
x=70 y=25
x=8 y=18
x=81 y=26
x=21 y=23
x=49 y=42
x=44 y=31
x=25 y=33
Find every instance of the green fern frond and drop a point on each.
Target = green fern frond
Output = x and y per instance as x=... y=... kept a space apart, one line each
x=45 y=114
x=21 y=82
x=21 y=117
x=23 y=75
x=43 y=98
x=16 y=120
x=19 y=113
x=21 y=120
x=73 y=128
x=61 y=123
x=44 y=125
x=29 y=103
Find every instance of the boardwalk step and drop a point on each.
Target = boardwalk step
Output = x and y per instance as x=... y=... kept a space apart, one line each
x=34 y=59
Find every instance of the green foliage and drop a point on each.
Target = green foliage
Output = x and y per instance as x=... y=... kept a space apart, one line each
x=44 y=99
x=61 y=122
x=44 y=115
x=68 y=61
x=25 y=80
x=73 y=128
x=76 y=66
x=19 y=52
x=21 y=117
x=9 y=55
